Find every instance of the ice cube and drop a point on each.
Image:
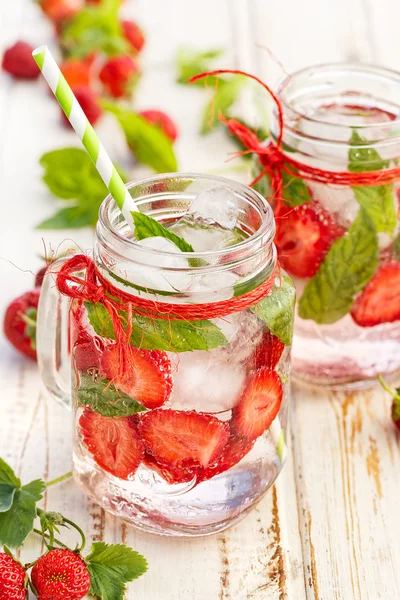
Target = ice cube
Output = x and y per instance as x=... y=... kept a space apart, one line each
x=205 y=384
x=213 y=287
x=204 y=236
x=218 y=205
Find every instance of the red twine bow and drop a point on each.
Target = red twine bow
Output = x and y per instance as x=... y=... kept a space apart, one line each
x=275 y=161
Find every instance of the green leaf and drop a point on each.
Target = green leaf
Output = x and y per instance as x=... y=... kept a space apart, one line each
x=261 y=132
x=148 y=227
x=225 y=94
x=348 y=267
x=159 y=334
x=377 y=200
x=148 y=142
x=104 y=398
x=17 y=522
x=71 y=217
x=190 y=62
x=277 y=310
x=7 y=475
x=295 y=190
x=111 y=567
x=7 y=493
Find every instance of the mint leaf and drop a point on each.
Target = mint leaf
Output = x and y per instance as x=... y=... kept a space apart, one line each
x=111 y=567
x=294 y=191
x=261 y=132
x=147 y=227
x=148 y=143
x=377 y=200
x=348 y=267
x=104 y=398
x=72 y=217
x=190 y=63
x=277 y=310
x=7 y=475
x=225 y=94
x=7 y=493
x=17 y=522
x=169 y=335
x=95 y=29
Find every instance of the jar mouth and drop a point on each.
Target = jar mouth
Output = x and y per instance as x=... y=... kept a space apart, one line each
x=151 y=195
x=363 y=86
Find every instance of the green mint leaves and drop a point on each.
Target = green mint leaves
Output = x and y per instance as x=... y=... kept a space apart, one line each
x=71 y=176
x=225 y=95
x=148 y=227
x=17 y=506
x=104 y=398
x=294 y=190
x=190 y=63
x=277 y=310
x=158 y=334
x=377 y=200
x=111 y=567
x=148 y=142
x=349 y=265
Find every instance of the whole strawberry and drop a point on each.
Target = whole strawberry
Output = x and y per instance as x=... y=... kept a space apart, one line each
x=61 y=575
x=89 y=102
x=162 y=120
x=12 y=579
x=18 y=61
x=134 y=35
x=20 y=322
x=119 y=76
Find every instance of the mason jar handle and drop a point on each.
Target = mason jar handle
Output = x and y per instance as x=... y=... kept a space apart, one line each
x=52 y=337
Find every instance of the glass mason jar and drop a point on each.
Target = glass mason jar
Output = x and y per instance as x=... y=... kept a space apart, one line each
x=341 y=244
x=183 y=431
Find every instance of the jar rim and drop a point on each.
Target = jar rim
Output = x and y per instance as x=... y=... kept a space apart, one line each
x=347 y=69
x=108 y=233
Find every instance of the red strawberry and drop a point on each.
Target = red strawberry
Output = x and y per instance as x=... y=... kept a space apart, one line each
x=60 y=11
x=40 y=276
x=60 y=574
x=89 y=103
x=20 y=322
x=113 y=441
x=146 y=377
x=87 y=352
x=162 y=120
x=78 y=71
x=170 y=474
x=12 y=579
x=268 y=352
x=258 y=405
x=119 y=76
x=303 y=238
x=183 y=439
x=134 y=35
x=18 y=61
x=379 y=302
x=231 y=455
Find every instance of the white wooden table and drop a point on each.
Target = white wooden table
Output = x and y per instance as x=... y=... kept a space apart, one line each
x=330 y=528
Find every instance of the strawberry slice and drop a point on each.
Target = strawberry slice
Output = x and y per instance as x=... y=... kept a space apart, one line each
x=379 y=302
x=258 y=405
x=303 y=238
x=87 y=352
x=146 y=377
x=113 y=442
x=231 y=455
x=182 y=438
x=268 y=352
x=171 y=474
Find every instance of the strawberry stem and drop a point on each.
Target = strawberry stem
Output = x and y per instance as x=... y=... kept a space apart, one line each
x=385 y=386
x=46 y=535
x=59 y=479
x=79 y=530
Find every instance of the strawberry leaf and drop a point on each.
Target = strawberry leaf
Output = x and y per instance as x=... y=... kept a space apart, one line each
x=111 y=567
x=148 y=143
x=17 y=522
x=348 y=267
x=104 y=398
x=7 y=475
x=7 y=493
x=147 y=227
x=159 y=334
x=277 y=310
x=377 y=200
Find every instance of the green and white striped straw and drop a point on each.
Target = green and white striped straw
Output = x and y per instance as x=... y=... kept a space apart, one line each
x=74 y=113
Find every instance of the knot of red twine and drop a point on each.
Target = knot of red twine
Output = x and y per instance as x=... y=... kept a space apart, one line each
x=93 y=287
x=275 y=161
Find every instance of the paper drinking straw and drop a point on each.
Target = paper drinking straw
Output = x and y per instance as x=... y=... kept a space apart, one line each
x=85 y=131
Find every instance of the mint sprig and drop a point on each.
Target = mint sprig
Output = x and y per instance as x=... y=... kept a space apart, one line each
x=111 y=567
x=148 y=142
x=378 y=200
x=158 y=334
x=146 y=227
x=277 y=310
x=71 y=176
x=104 y=398
x=349 y=265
